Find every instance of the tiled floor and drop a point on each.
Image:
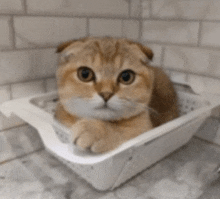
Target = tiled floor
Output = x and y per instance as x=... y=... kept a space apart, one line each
x=185 y=174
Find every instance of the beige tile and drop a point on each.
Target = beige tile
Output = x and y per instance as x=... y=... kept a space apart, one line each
x=135 y=9
x=193 y=9
x=157 y=50
x=170 y=31
x=27 y=89
x=27 y=65
x=145 y=8
x=196 y=60
x=47 y=31
x=105 y=27
x=79 y=7
x=5 y=32
x=131 y=29
x=210 y=34
x=11 y=6
x=212 y=11
x=51 y=84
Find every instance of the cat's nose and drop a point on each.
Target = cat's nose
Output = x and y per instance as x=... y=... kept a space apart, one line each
x=106 y=95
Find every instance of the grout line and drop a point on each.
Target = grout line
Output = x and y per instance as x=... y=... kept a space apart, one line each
x=192 y=73
x=27 y=81
x=150 y=9
x=199 y=34
x=29 y=48
x=129 y=8
x=163 y=48
x=87 y=26
x=111 y=16
x=140 y=30
x=12 y=33
x=70 y=16
x=24 y=2
x=182 y=45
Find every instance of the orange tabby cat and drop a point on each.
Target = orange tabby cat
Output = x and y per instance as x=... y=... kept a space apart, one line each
x=109 y=94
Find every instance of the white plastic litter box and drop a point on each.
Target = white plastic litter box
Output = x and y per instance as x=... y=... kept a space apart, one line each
x=107 y=171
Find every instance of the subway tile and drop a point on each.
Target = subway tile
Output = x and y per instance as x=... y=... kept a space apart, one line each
x=210 y=34
x=189 y=9
x=27 y=65
x=212 y=10
x=157 y=50
x=27 y=89
x=5 y=32
x=192 y=9
x=105 y=27
x=135 y=8
x=196 y=60
x=11 y=6
x=47 y=31
x=131 y=29
x=51 y=84
x=170 y=31
x=145 y=8
x=79 y=7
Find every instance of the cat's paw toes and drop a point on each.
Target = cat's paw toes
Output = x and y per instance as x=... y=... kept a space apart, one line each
x=84 y=141
x=102 y=146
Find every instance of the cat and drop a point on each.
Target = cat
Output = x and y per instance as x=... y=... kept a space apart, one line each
x=108 y=93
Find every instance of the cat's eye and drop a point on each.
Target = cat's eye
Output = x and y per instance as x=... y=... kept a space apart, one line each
x=126 y=77
x=85 y=74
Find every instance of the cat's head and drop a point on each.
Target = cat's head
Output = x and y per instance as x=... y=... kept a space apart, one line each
x=104 y=78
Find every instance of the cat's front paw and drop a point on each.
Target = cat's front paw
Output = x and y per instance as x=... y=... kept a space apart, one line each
x=95 y=136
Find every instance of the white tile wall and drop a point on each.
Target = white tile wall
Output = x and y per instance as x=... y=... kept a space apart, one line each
x=135 y=8
x=186 y=9
x=196 y=60
x=11 y=6
x=27 y=65
x=51 y=84
x=47 y=31
x=20 y=90
x=157 y=50
x=105 y=27
x=210 y=35
x=5 y=33
x=79 y=7
x=178 y=32
x=145 y=8
x=131 y=29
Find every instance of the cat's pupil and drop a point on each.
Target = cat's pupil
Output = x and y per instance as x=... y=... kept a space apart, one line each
x=126 y=76
x=85 y=73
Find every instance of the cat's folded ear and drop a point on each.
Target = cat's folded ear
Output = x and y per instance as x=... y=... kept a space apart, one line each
x=64 y=45
x=147 y=51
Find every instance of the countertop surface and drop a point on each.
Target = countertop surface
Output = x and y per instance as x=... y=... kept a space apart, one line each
x=27 y=171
